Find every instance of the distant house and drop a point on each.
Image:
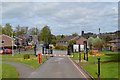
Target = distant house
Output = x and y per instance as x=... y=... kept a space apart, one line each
x=87 y=35
x=24 y=40
x=34 y=38
x=115 y=44
x=18 y=41
x=64 y=41
x=81 y=40
x=6 y=41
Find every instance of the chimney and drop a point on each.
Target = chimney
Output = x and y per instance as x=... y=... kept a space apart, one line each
x=82 y=34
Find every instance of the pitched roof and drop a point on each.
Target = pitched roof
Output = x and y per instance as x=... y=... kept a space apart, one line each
x=115 y=40
x=69 y=38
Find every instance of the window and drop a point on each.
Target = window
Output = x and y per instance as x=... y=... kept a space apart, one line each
x=3 y=41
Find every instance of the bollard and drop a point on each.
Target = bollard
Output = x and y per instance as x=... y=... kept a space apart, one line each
x=45 y=51
x=38 y=58
x=73 y=54
x=42 y=50
x=80 y=57
x=98 y=67
x=87 y=56
x=84 y=56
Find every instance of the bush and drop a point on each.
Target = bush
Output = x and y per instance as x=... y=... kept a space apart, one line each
x=26 y=56
x=61 y=47
x=90 y=52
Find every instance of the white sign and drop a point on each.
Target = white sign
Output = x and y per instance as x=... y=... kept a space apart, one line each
x=82 y=47
x=75 y=48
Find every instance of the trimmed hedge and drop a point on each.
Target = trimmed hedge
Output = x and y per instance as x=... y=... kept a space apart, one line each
x=26 y=56
x=61 y=47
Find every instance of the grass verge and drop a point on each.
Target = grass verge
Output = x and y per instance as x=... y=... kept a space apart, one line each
x=9 y=71
x=108 y=66
x=33 y=61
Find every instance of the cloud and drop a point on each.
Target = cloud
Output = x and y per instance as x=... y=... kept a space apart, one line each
x=63 y=18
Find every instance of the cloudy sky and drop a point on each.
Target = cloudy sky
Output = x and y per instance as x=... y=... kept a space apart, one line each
x=63 y=17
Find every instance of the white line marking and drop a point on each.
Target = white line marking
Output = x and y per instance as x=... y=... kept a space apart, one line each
x=77 y=68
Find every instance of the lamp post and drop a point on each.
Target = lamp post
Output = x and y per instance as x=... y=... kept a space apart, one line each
x=12 y=43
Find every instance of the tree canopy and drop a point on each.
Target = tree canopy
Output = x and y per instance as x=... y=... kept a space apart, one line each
x=74 y=34
x=7 y=29
x=46 y=34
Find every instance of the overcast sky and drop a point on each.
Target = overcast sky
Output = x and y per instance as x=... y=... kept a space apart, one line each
x=63 y=17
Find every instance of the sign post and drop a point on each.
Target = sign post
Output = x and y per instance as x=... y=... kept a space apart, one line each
x=95 y=52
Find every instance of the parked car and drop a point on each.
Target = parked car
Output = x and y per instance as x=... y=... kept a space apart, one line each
x=9 y=51
x=1 y=51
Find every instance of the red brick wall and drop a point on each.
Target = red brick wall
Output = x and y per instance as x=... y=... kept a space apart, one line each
x=81 y=41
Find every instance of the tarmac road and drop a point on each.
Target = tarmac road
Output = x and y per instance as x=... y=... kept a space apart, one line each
x=59 y=67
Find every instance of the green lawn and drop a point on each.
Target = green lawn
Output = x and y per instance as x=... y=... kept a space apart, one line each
x=109 y=64
x=16 y=56
x=6 y=71
x=33 y=61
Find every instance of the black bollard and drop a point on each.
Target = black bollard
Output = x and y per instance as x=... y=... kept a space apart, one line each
x=80 y=57
x=84 y=56
x=51 y=51
x=35 y=50
x=87 y=56
x=19 y=49
x=98 y=67
x=73 y=54
x=42 y=50
x=45 y=51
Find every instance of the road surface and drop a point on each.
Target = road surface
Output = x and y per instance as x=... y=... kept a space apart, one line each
x=59 y=67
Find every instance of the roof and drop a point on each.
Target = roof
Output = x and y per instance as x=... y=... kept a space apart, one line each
x=5 y=40
x=115 y=40
x=69 y=38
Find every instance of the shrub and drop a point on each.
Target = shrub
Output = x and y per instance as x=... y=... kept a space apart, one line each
x=26 y=56
x=61 y=47
x=90 y=52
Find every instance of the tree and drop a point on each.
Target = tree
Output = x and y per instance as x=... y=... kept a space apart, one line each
x=62 y=36
x=46 y=34
x=107 y=38
x=71 y=42
x=97 y=43
x=20 y=30
x=7 y=29
x=17 y=30
x=74 y=34
x=53 y=39
x=34 y=31
x=94 y=36
x=90 y=42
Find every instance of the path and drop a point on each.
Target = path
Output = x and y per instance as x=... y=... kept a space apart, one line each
x=59 y=67
x=23 y=70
